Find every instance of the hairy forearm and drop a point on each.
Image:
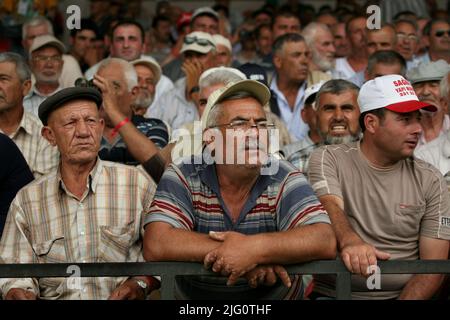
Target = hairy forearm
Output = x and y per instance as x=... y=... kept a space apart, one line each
x=341 y=226
x=172 y=244
x=421 y=287
x=311 y=242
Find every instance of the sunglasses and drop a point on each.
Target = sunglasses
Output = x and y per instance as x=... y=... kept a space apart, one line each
x=199 y=41
x=440 y=33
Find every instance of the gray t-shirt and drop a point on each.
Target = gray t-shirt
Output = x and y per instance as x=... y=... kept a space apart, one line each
x=389 y=208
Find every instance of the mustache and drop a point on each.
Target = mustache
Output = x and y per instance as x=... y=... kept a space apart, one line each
x=428 y=97
x=252 y=144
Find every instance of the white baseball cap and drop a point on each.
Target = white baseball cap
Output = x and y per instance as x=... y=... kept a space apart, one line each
x=198 y=41
x=221 y=40
x=392 y=92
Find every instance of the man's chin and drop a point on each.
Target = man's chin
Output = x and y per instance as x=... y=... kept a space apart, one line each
x=339 y=139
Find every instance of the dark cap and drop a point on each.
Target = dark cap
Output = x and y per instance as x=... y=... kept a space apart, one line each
x=63 y=96
x=254 y=71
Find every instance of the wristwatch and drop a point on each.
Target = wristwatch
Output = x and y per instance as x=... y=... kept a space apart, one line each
x=143 y=285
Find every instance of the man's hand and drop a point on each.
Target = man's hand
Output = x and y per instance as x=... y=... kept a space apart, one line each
x=110 y=103
x=193 y=70
x=20 y=294
x=233 y=257
x=129 y=290
x=358 y=256
x=267 y=275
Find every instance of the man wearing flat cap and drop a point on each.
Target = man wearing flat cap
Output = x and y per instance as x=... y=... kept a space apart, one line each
x=425 y=80
x=86 y=211
x=382 y=201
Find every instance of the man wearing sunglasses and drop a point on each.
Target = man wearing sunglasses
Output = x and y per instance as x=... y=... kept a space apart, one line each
x=437 y=34
x=231 y=214
x=177 y=106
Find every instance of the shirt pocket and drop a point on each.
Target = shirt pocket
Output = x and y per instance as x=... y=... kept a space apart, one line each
x=115 y=242
x=51 y=251
x=407 y=219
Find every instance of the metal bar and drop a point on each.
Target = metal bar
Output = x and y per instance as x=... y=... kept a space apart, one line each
x=344 y=286
x=168 y=271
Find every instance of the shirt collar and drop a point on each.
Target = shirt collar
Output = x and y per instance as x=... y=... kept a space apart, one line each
x=35 y=92
x=93 y=178
x=208 y=175
x=26 y=123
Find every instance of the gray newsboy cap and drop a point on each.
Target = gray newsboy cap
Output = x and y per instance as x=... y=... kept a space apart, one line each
x=432 y=71
x=63 y=96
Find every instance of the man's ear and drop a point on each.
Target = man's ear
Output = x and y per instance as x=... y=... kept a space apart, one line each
x=49 y=135
x=444 y=103
x=277 y=61
x=371 y=122
x=26 y=86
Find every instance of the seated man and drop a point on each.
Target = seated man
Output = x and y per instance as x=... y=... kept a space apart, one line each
x=334 y=116
x=125 y=91
x=382 y=201
x=14 y=174
x=85 y=211
x=242 y=218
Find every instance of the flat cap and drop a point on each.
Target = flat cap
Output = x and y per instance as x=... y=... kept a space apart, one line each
x=63 y=96
x=432 y=71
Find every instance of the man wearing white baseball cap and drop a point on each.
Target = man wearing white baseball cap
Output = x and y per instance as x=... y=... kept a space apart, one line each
x=177 y=106
x=382 y=201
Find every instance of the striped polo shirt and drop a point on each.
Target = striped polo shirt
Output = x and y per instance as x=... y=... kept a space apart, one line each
x=188 y=197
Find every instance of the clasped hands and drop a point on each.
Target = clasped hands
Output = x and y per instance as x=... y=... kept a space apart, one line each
x=235 y=257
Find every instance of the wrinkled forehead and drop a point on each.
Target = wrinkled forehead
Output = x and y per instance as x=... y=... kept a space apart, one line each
x=75 y=109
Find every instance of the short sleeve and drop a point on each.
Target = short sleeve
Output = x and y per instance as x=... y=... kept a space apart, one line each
x=436 y=220
x=323 y=173
x=172 y=202
x=297 y=204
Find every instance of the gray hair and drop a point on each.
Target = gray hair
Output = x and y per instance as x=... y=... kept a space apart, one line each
x=128 y=70
x=220 y=75
x=37 y=21
x=285 y=38
x=22 y=68
x=310 y=32
x=444 y=88
x=335 y=86
x=217 y=110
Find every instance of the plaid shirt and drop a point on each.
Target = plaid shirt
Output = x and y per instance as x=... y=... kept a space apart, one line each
x=41 y=157
x=47 y=224
x=34 y=98
x=298 y=153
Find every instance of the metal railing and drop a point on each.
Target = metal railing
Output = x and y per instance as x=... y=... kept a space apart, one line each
x=168 y=270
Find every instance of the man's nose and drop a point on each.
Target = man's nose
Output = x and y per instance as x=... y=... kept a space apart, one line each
x=82 y=129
